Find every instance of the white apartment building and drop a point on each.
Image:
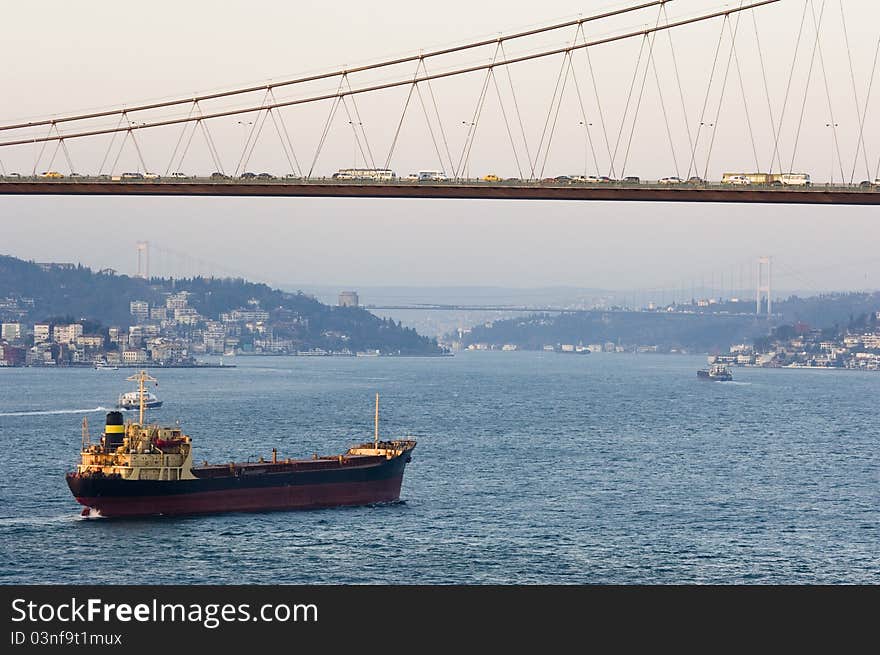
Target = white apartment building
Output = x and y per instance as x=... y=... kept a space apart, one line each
x=10 y=331
x=140 y=309
x=871 y=341
x=179 y=300
x=90 y=341
x=67 y=333
x=134 y=356
x=41 y=332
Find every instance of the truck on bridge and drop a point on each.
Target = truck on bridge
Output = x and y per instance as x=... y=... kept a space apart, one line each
x=773 y=179
x=375 y=174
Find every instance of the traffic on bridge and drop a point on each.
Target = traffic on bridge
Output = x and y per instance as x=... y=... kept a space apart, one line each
x=391 y=186
x=760 y=158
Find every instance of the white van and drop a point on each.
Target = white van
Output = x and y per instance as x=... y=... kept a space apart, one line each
x=795 y=179
x=432 y=176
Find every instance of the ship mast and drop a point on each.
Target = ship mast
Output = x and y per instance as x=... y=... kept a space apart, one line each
x=376 y=433
x=86 y=440
x=140 y=378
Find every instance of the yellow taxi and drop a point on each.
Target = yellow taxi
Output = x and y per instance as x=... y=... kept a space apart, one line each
x=491 y=178
x=52 y=174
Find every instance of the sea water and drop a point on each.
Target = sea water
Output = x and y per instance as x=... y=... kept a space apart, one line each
x=530 y=468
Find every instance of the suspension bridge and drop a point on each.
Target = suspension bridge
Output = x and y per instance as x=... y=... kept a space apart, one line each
x=731 y=119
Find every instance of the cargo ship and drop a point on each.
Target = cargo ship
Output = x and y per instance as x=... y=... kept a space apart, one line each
x=139 y=469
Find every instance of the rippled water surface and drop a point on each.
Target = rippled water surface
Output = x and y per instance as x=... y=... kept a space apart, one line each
x=530 y=468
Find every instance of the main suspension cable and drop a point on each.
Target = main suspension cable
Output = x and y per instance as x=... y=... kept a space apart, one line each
x=337 y=73
x=389 y=85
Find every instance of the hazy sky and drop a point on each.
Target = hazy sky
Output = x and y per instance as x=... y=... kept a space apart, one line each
x=62 y=56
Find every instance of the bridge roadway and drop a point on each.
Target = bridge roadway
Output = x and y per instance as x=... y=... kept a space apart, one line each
x=548 y=310
x=476 y=308
x=470 y=189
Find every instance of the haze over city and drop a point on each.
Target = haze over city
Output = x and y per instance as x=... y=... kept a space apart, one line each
x=109 y=59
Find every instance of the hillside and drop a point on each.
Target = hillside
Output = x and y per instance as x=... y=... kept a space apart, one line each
x=66 y=293
x=703 y=331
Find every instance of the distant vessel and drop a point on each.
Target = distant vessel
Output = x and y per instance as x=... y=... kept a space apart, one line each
x=101 y=367
x=146 y=470
x=716 y=373
x=132 y=399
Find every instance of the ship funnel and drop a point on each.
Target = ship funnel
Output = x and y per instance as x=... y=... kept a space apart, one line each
x=114 y=430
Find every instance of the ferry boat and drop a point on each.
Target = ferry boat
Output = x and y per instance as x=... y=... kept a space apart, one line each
x=131 y=400
x=716 y=372
x=139 y=469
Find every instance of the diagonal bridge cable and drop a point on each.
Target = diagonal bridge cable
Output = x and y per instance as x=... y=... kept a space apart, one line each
x=338 y=73
x=388 y=85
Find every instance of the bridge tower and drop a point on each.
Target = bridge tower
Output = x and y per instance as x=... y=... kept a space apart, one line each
x=143 y=255
x=765 y=283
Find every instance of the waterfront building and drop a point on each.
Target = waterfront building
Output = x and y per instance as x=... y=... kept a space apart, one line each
x=41 y=332
x=10 y=331
x=134 y=356
x=871 y=341
x=67 y=334
x=90 y=341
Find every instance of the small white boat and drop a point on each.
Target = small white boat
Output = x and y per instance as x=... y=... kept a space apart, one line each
x=131 y=400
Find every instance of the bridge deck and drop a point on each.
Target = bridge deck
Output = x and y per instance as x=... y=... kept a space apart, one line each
x=819 y=195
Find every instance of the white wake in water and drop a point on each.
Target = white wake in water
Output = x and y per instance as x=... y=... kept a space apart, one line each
x=48 y=412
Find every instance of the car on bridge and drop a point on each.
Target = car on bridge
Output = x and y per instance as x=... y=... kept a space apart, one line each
x=631 y=179
x=266 y=176
x=247 y=176
x=217 y=175
x=179 y=176
x=491 y=177
x=132 y=176
x=52 y=175
x=672 y=179
x=736 y=179
x=431 y=176
x=695 y=179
